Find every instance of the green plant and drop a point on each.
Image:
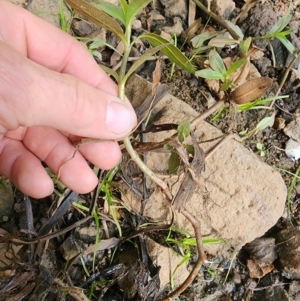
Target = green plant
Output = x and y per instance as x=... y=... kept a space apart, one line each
x=260 y=147
x=104 y=14
x=278 y=32
x=218 y=70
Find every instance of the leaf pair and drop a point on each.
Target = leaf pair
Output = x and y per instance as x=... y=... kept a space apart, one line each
x=218 y=69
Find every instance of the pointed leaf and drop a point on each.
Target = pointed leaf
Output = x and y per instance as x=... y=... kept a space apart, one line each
x=97 y=16
x=143 y=59
x=198 y=40
x=236 y=29
x=183 y=130
x=216 y=62
x=112 y=10
x=209 y=74
x=171 y=51
x=287 y=44
x=265 y=122
x=280 y=24
x=251 y=90
x=173 y=163
x=235 y=65
x=135 y=8
x=245 y=45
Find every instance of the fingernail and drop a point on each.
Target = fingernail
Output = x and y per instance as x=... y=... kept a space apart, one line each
x=119 y=119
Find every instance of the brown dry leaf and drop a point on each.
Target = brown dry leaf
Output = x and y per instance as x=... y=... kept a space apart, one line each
x=116 y=56
x=263 y=249
x=251 y=90
x=193 y=28
x=257 y=269
x=244 y=11
x=192 y=13
x=156 y=76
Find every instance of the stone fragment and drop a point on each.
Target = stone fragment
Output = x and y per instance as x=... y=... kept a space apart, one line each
x=292 y=149
x=245 y=197
x=293 y=130
x=168 y=260
x=176 y=29
x=175 y=8
x=48 y=10
x=222 y=8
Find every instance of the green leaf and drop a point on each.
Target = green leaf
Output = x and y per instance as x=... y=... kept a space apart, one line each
x=173 y=163
x=259 y=146
x=234 y=66
x=135 y=8
x=190 y=149
x=124 y=6
x=281 y=23
x=97 y=54
x=96 y=43
x=235 y=28
x=110 y=72
x=227 y=82
x=97 y=16
x=287 y=44
x=183 y=130
x=245 y=45
x=168 y=147
x=210 y=74
x=264 y=123
x=198 y=40
x=112 y=10
x=216 y=62
x=142 y=59
x=171 y=51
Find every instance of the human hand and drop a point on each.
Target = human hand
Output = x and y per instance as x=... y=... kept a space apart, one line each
x=52 y=93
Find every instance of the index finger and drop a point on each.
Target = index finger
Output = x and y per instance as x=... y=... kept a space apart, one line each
x=50 y=47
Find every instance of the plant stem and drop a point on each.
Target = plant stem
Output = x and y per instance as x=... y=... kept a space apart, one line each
x=121 y=93
x=218 y=19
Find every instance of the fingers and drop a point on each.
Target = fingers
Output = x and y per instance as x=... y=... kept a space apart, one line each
x=50 y=47
x=47 y=98
x=24 y=169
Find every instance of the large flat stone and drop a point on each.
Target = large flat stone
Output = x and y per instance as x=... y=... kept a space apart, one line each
x=246 y=196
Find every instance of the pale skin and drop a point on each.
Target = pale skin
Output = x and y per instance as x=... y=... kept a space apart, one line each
x=52 y=93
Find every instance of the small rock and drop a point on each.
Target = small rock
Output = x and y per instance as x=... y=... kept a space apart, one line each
x=222 y=8
x=176 y=29
x=168 y=260
x=166 y=36
x=83 y=28
x=292 y=149
x=48 y=10
x=156 y=16
x=279 y=123
x=175 y=8
x=136 y=24
x=293 y=130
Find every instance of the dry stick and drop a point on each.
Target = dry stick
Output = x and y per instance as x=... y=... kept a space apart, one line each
x=201 y=257
x=285 y=75
x=206 y=113
x=75 y=293
x=218 y=19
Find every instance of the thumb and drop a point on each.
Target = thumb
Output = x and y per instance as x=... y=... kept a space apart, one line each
x=34 y=95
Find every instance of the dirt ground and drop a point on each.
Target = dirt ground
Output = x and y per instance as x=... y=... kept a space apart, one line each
x=263 y=270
